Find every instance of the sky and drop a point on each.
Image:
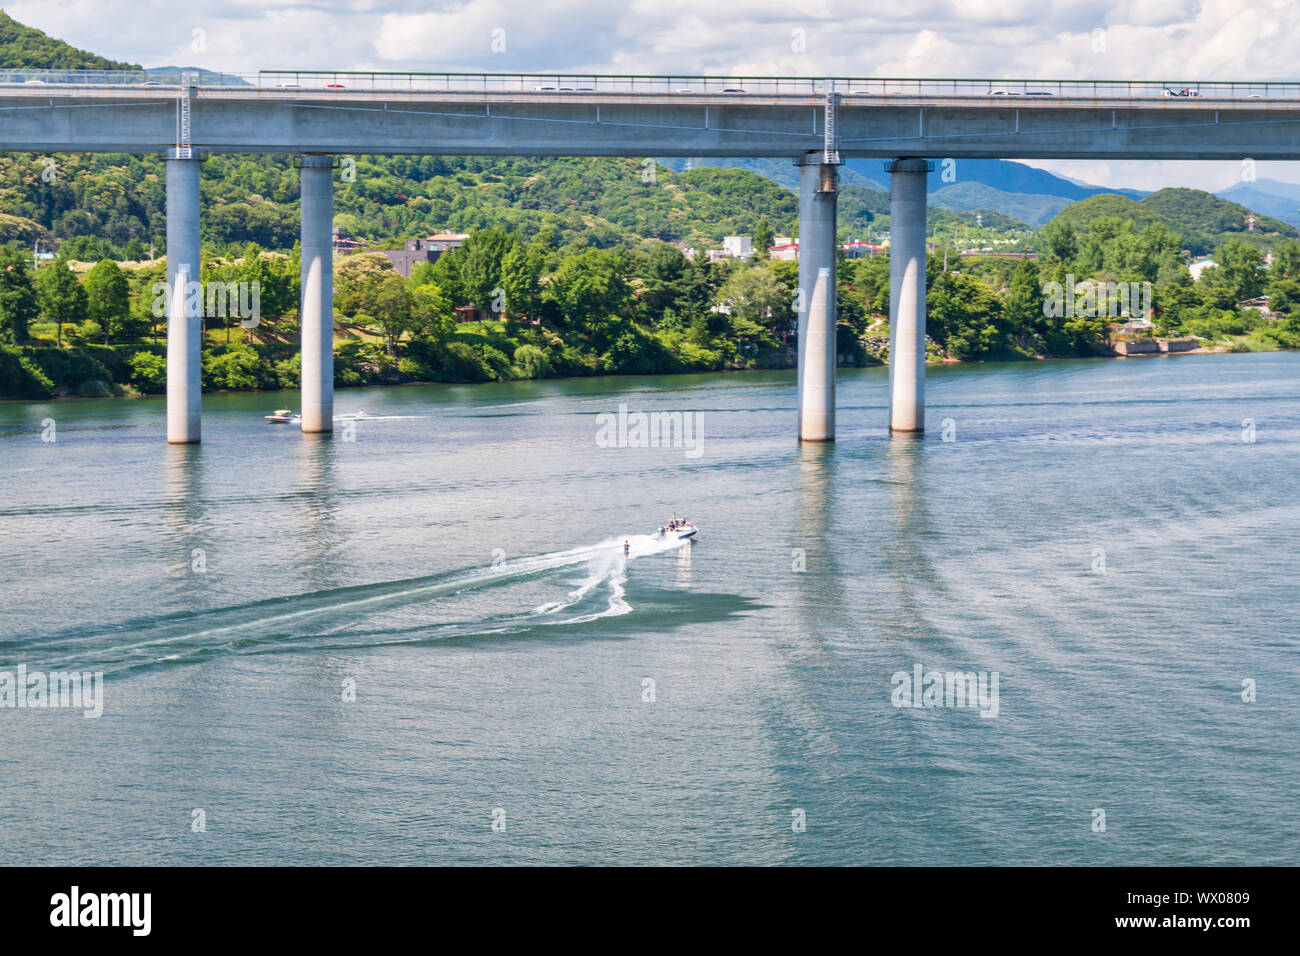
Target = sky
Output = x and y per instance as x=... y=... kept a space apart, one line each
x=1164 y=40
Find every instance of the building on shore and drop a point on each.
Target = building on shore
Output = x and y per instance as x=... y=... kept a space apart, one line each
x=428 y=249
x=857 y=249
x=738 y=247
x=342 y=245
x=733 y=247
x=1261 y=305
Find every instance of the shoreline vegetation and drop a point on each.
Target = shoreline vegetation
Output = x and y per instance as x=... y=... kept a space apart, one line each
x=500 y=308
x=76 y=330
x=105 y=388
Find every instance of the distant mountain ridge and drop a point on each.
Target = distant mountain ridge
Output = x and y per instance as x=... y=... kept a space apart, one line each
x=1032 y=209
x=172 y=74
x=1029 y=195
x=1268 y=197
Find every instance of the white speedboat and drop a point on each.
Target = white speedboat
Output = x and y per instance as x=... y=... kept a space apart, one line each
x=285 y=416
x=681 y=530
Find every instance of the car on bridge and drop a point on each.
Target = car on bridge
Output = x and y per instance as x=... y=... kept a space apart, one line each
x=1185 y=91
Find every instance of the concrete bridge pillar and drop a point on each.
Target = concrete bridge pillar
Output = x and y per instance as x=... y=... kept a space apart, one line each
x=818 y=192
x=317 y=195
x=184 y=331
x=907 y=254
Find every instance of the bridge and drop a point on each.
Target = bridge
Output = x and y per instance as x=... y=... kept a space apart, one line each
x=816 y=123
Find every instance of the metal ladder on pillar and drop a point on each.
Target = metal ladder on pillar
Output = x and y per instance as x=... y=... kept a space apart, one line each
x=830 y=127
x=184 y=149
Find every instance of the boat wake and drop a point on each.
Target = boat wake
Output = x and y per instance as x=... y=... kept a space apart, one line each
x=414 y=610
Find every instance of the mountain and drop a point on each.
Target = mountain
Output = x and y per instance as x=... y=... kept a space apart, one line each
x=1267 y=197
x=24 y=48
x=1028 y=208
x=1003 y=175
x=1204 y=212
x=1012 y=177
x=1082 y=213
x=780 y=171
x=172 y=74
x=1202 y=219
x=1010 y=189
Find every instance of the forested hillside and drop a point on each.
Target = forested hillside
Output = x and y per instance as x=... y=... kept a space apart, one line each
x=1202 y=219
x=22 y=47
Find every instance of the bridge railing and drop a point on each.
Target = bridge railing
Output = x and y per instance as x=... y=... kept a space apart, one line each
x=165 y=79
x=771 y=85
x=377 y=81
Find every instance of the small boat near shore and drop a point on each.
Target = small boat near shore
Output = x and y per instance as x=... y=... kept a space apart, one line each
x=285 y=416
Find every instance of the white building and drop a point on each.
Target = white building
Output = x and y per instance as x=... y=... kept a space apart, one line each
x=738 y=247
x=1199 y=266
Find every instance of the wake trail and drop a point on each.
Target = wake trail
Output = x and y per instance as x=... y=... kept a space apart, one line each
x=268 y=625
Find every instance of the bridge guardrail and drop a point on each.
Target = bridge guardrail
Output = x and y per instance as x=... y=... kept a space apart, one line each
x=372 y=81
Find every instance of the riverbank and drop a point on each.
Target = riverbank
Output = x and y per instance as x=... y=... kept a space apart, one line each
x=138 y=370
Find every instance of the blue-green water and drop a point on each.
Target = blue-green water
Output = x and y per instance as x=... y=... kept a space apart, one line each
x=461 y=562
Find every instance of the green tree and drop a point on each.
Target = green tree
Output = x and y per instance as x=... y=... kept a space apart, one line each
x=966 y=317
x=478 y=265
x=18 y=303
x=588 y=286
x=532 y=361
x=763 y=238
x=670 y=282
x=1238 y=269
x=1024 y=309
x=394 y=309
x=871 y=279
x=399 y=308
x=108 y=298
x=358 y=279
x=521 y=281
x=756 y=296
x=1058 y=236
x=61 y=297
x=148 y=372
x=1286 y=259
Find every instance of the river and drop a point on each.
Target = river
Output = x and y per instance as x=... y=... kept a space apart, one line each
x=420 y=642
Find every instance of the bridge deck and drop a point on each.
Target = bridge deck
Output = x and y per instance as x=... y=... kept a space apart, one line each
x=648 y=116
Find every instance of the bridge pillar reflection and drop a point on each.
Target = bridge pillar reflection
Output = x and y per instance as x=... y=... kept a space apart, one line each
x=907 y=252
x=316 y=179
x=818 y=192
x=184 y=313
